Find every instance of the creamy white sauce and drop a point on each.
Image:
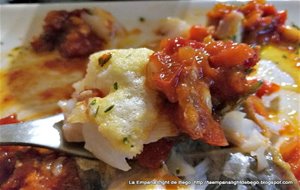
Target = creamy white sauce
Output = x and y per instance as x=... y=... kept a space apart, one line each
x=288 y=105
x=268 y=71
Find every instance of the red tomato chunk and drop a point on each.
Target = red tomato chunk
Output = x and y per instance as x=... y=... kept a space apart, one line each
x=290 y=151
x=154 y=154
x=199 y=77
x=261 y=23
x=9 y=119
x=69 y=34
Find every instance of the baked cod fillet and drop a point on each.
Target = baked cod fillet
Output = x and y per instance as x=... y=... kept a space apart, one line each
x=113 y=111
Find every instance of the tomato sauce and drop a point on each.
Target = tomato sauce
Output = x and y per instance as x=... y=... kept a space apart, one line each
x=290 y=151
x=9 y=119
x=262 y=22
x=69 y=34
x=267 y=89
x=200 y=77
x=154 y=154
x=31 y=168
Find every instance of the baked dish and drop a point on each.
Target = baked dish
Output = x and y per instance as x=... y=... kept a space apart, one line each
x=169 y=104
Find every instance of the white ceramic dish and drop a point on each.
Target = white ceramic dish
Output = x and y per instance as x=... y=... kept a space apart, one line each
x=19 y=22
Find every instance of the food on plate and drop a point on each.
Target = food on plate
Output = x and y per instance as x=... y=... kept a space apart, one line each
x=255 y=22
x=77 y=33
x=171 y=105
x=114 y=108
x=192 y=73
x=35 y=168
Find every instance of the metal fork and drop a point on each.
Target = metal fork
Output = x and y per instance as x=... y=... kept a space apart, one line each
x=44 y=132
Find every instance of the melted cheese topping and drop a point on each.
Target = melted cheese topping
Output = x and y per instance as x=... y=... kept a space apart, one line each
x=127 y=117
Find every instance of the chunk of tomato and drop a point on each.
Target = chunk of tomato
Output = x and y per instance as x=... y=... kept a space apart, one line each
x=9 y=119
x=290 y=151
x=198 y=33
x=229 y=54
x=267 y=88
x=154 y=154
x=163 y=73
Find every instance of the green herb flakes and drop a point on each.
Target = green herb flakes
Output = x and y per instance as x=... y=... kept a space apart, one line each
x=128 y=55
x=256 y=87
x=116 y=85
x=177 y=171
x=295 y=26
x=233 y=38
x=248 y=71
x=93 y=102
x=142 y=19
x=17 y=48
x=104 y=59
x=125 y=140
x=97 y=110
x=109 y=108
